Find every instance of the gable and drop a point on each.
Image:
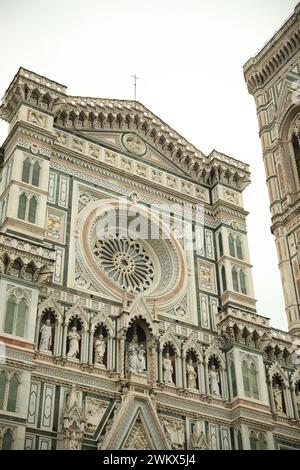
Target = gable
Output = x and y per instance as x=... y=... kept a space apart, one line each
x=146 y=153
x=136 y=424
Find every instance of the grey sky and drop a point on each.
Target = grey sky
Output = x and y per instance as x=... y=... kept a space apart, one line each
x=189 y=57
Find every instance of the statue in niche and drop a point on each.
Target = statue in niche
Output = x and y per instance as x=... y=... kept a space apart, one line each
x=141 y=366
x=191 y=375
x=133 y=351
x=73 y=339
x=136 y=357
x=214 y=380
x=100 y=347
x=168 y=370
x=46 y=336
x=278 y=399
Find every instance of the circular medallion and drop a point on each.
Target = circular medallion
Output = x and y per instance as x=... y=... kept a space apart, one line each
x=126 y=263
x=134 y=144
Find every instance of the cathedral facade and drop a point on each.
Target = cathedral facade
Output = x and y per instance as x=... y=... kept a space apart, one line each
x=127 y=311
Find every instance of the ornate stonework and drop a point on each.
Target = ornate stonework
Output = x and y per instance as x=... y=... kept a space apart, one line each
x=123 y=342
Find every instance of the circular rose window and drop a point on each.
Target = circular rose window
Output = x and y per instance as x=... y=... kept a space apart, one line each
x=126 y=263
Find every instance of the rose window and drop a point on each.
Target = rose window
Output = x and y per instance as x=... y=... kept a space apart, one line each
x=126 y=263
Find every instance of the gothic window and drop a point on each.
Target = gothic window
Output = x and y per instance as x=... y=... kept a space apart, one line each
x=224 y=283
x=13 y=394
x=239 y=249
x=250 y=380
x=253 y=441
x=235 y=281
x=31 y=172
x=246 y=379
x=10 y=314
x=27 y=209
x=231 y=245
x=233 y=379
x=7 y=174
x=239 y=440
x=32 y=210
x=36 y=174
x=22 y=206
x=16 y=316
x=221 y=244
x=26 y=170
x=262 y=443
x=243 y=282
x=7 y=440
x=254 y=382
x=2 y=212
x=296 y=147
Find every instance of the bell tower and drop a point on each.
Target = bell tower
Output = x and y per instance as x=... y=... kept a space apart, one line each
x=273 y=79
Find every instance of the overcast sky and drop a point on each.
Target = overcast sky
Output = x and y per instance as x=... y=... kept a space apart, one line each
x=189 y=56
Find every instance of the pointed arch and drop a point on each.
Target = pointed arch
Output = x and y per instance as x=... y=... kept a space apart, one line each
x=22 y=206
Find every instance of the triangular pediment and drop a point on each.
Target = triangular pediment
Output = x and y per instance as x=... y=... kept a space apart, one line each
x=136 y=426
x=117 y=141
x=138 y=437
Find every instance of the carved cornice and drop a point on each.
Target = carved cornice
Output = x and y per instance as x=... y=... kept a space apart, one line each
x=38 y=256
x=85 y=114
x=276 y=53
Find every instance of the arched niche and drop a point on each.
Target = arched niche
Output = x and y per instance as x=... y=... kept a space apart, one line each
x=137 y=350
x=215 y=377
x=100 y=346
x=46 y=334
x=192 y=372
x=170 y=370
x=74 y=339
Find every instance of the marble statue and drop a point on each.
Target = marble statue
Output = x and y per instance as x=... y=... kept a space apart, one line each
x=100 y=347
x=46 y=336
x=214 y=379
x=167 y=370
x=73 y=339
x=141 y=360
x=277 y=393
x=133 y=350
x=136 y=357
x=191 y=375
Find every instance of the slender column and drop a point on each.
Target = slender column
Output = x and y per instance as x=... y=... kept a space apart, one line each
x=56 y=338
x=82 y=346
x=91 y=335
x=179 y=371
x=225 y=391
x=160 y=368
x=153 y=362
x=109 y=352
x=37 y=332
x=122 y=356
x=271 y=397
x=202 y=378
x=64 y=345
x=199 y=376
x=206 y=378
x=58 y=334
x=294 y=403
x=184 y=372
x=288 y=404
